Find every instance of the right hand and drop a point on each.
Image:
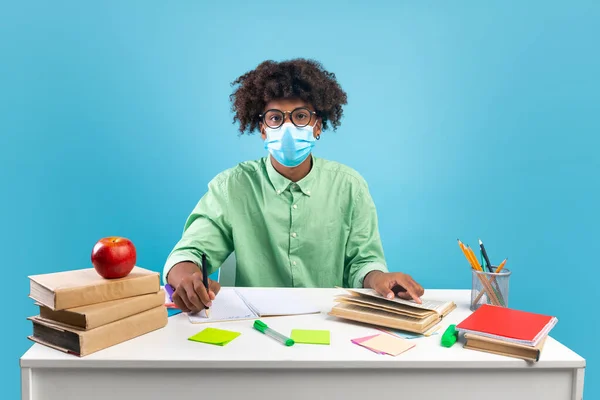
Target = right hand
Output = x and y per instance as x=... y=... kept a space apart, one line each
x=191 y=295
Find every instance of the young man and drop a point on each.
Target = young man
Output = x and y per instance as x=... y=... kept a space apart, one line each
x=293 y=220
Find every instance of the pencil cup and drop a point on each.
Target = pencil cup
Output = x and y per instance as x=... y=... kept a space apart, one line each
x=489 y=288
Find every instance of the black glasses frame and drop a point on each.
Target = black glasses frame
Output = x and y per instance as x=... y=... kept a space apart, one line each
x=311 y=113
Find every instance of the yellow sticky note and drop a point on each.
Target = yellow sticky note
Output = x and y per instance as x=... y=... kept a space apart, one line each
x=310 y=336
x=388 y=344
x=214 y=336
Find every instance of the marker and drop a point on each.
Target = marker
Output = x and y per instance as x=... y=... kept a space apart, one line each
x=450 y=336
x=262 y=327
x=170 y=290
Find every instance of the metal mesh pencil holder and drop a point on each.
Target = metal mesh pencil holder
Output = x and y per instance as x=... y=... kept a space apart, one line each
x=489 y=288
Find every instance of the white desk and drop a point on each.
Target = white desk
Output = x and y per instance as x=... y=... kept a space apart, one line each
x=164 y=364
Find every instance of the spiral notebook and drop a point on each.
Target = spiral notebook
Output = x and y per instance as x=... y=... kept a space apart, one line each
x=249 y=303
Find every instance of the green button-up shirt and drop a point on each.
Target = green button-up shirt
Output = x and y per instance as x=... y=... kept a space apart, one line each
x=319 y=232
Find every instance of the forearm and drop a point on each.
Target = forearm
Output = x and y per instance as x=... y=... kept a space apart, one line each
x=180 y=271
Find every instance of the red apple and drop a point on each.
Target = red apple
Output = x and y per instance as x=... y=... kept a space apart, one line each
x=113 y=257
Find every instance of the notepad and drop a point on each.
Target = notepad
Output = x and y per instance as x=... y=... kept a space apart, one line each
x=409 y=335
x=360 y=341
x=219 y=337
x=242 y=303
x=225 y=307
x=310 y=336
x=401 y=334
x=388 y=344
x=173 y=311
x=277 y=302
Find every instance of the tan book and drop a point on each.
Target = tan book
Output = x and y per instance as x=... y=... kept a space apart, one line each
x=95 y=315
x=371 y=308
x=82 y=287
x=495 y=346
x=81 y=343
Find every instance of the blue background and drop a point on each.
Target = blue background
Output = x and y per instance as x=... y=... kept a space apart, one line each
x=468 y=119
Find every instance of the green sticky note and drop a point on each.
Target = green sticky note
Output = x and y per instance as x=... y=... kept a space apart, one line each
x=214 y=336
x=310 y=336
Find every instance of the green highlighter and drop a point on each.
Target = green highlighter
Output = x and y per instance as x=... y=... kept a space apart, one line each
x=450 y=336
x=262 y=327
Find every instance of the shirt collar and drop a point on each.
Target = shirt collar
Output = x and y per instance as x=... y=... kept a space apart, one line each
x=281 y=183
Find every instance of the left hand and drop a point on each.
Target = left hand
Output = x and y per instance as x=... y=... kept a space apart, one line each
x=394 y=283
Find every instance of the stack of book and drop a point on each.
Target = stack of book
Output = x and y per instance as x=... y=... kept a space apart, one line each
x=507 y=332
x=80 y=312
x=369 y=307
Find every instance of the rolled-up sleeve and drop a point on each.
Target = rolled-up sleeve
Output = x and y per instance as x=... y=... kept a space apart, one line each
x=364 y=250
x=207 y=230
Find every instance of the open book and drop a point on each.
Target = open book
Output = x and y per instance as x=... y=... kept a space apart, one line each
x=247 y=303
x=370 y=307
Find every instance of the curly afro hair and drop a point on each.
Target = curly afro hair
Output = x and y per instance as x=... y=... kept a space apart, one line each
x=298 y=78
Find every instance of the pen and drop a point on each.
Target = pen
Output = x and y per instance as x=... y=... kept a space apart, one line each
x=205 y=280
x=487 y=260
x=262 y=327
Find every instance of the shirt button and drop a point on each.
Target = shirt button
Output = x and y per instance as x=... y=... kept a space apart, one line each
x=293 y=234
x=293 y=262
x=308 y=192
x=295 y=205
x=278 y=191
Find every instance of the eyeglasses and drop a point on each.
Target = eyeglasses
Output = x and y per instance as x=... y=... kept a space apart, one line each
x=299 y=116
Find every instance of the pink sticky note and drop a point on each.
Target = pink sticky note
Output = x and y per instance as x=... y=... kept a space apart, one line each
x=388 y=344
x=359 y=342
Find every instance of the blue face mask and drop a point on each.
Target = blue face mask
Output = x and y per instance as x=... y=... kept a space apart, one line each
x=288 y=144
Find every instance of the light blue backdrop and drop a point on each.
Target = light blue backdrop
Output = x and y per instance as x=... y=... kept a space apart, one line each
x=468 y=119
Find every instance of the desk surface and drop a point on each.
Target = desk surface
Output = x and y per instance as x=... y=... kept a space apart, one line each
x=169 y=347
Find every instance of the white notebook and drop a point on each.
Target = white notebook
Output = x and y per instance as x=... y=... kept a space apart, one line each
x=243 y=303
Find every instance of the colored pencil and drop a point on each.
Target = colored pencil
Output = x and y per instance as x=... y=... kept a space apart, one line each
x=501 y=265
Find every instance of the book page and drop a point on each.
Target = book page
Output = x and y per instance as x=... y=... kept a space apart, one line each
x=384 y=305
x=276 y=302
x=358 y=309
x=434 y=305
x=227 y=306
